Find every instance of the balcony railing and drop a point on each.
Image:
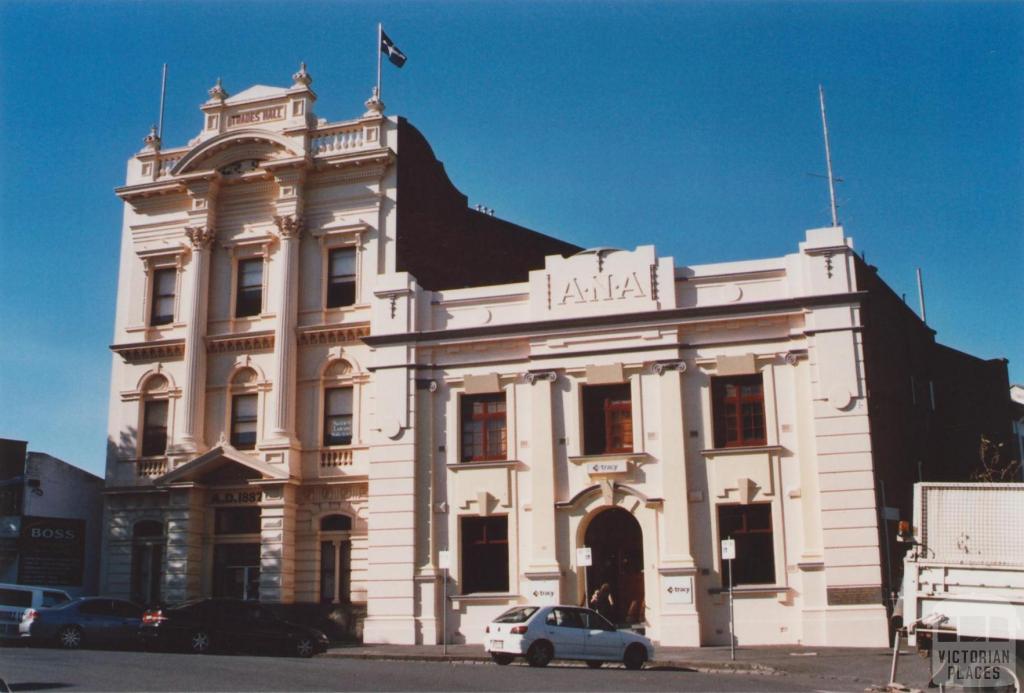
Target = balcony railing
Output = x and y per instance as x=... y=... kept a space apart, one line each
x=338 y=140
x=151 y=467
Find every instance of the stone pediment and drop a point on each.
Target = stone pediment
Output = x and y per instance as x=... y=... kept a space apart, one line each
x=222 y=464
x=257 y=92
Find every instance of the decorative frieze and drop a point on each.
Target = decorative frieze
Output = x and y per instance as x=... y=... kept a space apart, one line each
x=257 y=341
x=333 y=335
x=165 y=350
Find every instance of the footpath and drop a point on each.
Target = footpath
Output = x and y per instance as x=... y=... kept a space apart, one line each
x=849 y=665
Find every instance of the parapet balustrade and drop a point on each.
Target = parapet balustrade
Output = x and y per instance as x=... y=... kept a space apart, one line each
x=151 y=467
x=336 y=457
x=166 y=164
x=337 y=139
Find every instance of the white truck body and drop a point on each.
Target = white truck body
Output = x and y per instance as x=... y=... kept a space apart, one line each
x=967 y=562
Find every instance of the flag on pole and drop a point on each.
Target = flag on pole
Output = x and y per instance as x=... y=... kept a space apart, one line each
x=388 y=46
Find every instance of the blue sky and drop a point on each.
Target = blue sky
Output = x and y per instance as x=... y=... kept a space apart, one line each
x=690 y=125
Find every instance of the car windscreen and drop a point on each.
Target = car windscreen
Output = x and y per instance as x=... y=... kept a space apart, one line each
x=516 y=615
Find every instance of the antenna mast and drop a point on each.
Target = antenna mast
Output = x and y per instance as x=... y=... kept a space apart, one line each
x=828 y=159
x=163 y=92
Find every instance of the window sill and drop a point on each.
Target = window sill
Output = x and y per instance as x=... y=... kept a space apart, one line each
x=610 y=457
x=483 y=597
x=742 y=450
x=483 y=464
x=751 y=590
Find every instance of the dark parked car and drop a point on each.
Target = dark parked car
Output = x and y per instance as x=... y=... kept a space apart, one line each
x=204 y=625
x=85 y=621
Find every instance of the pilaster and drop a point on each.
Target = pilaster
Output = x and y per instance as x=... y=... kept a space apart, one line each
x=186 y=523
x=277 y=544
x=679 y=624
x=542 y=569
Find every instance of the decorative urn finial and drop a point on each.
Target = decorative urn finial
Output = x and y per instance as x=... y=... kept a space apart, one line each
x=374 y=106
x=217 y=92
x=302 y=77
x=152 y=139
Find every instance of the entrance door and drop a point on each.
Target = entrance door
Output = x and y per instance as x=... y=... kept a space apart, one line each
x=236 y=571
x=616 y=542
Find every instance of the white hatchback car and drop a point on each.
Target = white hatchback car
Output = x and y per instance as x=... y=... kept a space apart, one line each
x=543 y=633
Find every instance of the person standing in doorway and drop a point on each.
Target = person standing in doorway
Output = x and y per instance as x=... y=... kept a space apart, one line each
x=602 y=602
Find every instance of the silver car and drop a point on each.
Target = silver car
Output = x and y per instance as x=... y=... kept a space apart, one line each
x=92 y=621
x=543 y=633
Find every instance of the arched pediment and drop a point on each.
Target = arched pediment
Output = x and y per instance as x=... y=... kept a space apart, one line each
x=232 y=147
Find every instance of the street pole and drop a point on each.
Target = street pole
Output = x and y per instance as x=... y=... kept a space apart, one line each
x=732 y=622
x=444 y=614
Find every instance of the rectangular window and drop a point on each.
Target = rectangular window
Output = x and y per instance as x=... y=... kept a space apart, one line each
x=154 y=428
x=751 y=527
x=338 y=416
x=243 y=421
x=484 y=428
x=607 y=419
x=341 y=277
x=738 y=404
x=484 y=554
x=161 y=310
x=249 y=296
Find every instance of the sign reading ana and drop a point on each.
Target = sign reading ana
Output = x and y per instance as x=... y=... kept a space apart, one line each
x=603 y=287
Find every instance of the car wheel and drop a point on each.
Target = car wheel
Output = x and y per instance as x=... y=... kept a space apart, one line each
x=594 y=664
x=540 y=653
x=199 y=642
x=70 y=637
x=501 y=659
x=634 y=657
x=305 y=647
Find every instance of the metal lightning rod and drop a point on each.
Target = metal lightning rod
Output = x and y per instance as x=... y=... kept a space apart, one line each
x=828 y=159
x=163 y=93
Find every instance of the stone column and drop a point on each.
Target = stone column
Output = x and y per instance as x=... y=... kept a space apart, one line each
x=186 y=524
x=542 y=570
x=679 y=624
x=277 y=544
x=194 y=395
x=282 y=411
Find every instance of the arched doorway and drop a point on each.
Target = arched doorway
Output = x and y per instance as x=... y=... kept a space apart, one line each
x=617 y=549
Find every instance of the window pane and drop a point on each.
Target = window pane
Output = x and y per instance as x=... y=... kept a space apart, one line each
x=738 y=404
x=162 y=304
x=338 y=416
x=249 y=297
x=607 y=419
x=751 y=527
x=339 y=400
x=154 y=431
x=343 y=263
x=484 y=427
x=484 y=553
x=327 y=578
x=243 y=421
x=341 y=280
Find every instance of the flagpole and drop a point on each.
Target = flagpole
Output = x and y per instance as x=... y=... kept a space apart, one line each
x=163 y=93
x=380 y=30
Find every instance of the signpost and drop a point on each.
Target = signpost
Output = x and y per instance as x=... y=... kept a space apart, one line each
x=728 y=554
x=444 y=562
x=584 y=559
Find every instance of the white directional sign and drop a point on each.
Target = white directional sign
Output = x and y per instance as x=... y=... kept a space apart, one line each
x=444 y=560
x=678 y=589
x=728 y=549
x=583 y=557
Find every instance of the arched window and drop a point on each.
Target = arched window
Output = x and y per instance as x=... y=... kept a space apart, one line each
x=244 y=409
x=155 y=406
x=147 y=561
x=335 y=558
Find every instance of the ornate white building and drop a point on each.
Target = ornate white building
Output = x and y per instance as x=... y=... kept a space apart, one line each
x=329 y=373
